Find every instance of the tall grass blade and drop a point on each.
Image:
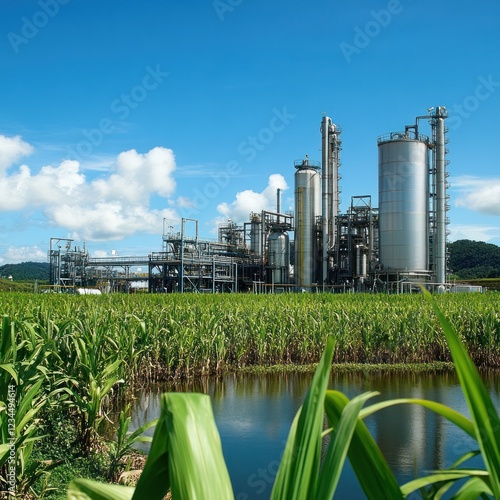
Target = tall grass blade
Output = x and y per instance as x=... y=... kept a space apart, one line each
x=298 y=472
x=481 y=408
x=449 y=476
x=450 y=414
x=339 y=446
x=371 y=468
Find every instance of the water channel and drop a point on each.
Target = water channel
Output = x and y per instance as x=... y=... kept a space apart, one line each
x=254 y=412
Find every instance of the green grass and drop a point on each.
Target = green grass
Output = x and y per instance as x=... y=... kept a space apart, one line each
x=7 y=285
x=90 y=350
x=186 y=457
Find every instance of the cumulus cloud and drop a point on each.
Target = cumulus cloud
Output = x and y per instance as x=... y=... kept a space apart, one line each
x=11 y=150
x=479 y=194
x=24 y=254
x=109 y=221
x=113 y=206
x=249 y=201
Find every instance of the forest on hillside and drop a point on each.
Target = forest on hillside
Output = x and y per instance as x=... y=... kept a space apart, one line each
x=26 y=271
x=474 y=259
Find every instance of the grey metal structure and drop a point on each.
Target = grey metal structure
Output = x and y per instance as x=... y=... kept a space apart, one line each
x=330 y=163
x=279 y=257
x=255 y=234
x=389 y=248
x=440 y=162
x=403 y=161
x=307 y=214
x=357 y=250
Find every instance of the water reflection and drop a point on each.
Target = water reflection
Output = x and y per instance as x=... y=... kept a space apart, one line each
x=254 y=412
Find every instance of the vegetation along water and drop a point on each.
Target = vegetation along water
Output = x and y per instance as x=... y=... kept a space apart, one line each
x=69 y=358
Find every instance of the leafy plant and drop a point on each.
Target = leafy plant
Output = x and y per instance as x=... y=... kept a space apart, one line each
x=125 y=441
x=24 y=392
x=186 y=456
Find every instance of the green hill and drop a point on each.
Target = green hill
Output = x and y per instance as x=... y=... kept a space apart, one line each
x=474 y=259
x=25 y=271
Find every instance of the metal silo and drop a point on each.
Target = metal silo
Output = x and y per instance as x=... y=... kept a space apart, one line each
x=403 y=161
x=279 y=257
x=307 y=210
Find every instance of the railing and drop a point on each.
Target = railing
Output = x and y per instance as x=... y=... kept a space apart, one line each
x=405 y=136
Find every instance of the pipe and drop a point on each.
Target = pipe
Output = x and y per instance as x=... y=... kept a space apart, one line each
x=440 y=168
x=278 y=200
x=325 y=173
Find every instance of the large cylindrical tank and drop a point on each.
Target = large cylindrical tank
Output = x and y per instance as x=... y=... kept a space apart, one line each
x=403 y=164
x=279 y=257
x=307 y=209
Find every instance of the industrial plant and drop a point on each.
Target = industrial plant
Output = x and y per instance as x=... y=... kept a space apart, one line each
x=392 y=248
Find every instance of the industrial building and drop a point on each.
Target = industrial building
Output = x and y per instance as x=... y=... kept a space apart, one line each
x=391 y=248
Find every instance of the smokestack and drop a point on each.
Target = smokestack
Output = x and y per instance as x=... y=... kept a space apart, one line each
x=278 y=200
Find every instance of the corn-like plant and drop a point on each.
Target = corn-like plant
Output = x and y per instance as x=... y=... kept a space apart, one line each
x=125 y=441
x=186 y=456
x=24 y=392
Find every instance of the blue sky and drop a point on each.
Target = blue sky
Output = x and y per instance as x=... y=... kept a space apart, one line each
x=116 y=115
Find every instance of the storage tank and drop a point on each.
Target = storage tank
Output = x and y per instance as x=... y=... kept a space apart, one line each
x=307 y=209
x=403 y=162
x=279 y=257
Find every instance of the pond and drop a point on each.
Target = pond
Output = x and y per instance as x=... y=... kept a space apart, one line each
x=253 y=414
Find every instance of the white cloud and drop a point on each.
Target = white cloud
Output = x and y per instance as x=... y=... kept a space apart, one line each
x=478 y=194
x=109 y=221
x=476 y=233
x=111 y=207
x=11 y=149
x=24 y=254
x=249 y=201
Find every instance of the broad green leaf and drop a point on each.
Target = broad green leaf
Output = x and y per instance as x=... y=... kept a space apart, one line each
x=298 y=472
x=481 y=408
x=371 y=468
x=86 y=489
x=186 y=452
x=339 y=446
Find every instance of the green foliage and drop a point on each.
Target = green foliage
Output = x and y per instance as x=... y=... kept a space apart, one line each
x=186 y=456
x=474 y=259
x=26 y=271
x=7 y=285
x=73 y=352
x=125 y=442
x=164 y=336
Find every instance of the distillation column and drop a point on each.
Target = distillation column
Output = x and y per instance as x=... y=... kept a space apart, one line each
x=330 y=147
x=441 y=197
